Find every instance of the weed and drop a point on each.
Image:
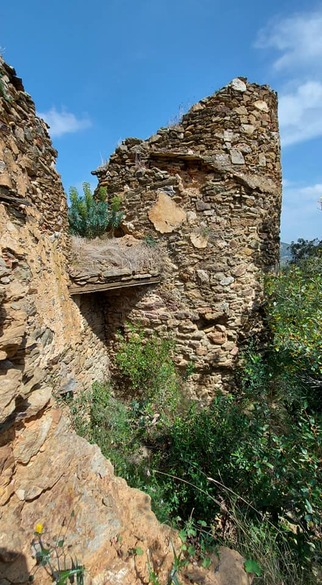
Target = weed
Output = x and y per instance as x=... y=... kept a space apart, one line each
x=137 y=551
x=53 y=557
x=205 y=231
x=177 y=119
x=79 y=407
x=189 y=371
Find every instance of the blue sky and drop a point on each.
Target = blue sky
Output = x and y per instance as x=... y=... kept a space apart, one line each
x=101 y=71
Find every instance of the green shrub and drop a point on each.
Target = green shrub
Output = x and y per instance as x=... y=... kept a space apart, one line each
x=148 y=369
x=261 y=447
x=295 y=316
x=89 y=217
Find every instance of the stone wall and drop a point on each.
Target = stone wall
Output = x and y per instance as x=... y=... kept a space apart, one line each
x=207 y=191
x=46 y=341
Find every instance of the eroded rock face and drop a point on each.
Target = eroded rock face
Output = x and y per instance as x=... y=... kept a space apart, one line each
x=56 y=478
x=49 y=346
x=46 y=343
x=220 y=168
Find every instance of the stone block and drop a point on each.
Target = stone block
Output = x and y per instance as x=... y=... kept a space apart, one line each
x=236 y=157
x=238 y=85
x=166 y=215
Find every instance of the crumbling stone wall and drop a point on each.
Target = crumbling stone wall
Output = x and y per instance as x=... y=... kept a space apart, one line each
x=208 y=192
x=45 y=339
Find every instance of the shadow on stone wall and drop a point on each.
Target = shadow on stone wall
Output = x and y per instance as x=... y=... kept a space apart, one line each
x=91 y=308
x=13 y=567
x=264 y=258
x=121 y=309
x=107 y=313
x=12 y=367
x=118 y=306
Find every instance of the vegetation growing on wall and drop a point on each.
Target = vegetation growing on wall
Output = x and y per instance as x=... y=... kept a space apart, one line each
x=247 y=468
x=91 y=217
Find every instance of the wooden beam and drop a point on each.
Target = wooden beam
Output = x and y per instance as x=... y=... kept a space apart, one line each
x=77 y=289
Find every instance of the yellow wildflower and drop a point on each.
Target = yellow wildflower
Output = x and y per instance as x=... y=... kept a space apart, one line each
x=39 y=528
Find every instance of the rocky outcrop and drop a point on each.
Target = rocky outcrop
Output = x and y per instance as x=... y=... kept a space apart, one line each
x=208 y=192
x=48 y=348
x=50 y=475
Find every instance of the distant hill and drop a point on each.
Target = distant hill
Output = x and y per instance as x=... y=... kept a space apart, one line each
x=285 y=253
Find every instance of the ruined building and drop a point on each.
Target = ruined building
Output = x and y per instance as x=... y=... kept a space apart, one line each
x=207 y=193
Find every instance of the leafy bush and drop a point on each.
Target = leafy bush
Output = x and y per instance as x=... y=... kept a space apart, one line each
x=89 y=217
x=147 y=365
x=248 y=457
x=295 y=319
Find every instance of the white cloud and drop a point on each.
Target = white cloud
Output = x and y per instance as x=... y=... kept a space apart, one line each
x=311 y=193
x=63 y=122
x=295 y=47
x=300 y=113
x=297 y=44
x=298 y=38
x=301 y=216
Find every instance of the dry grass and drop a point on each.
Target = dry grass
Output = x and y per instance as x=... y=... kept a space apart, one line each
x=94 y=257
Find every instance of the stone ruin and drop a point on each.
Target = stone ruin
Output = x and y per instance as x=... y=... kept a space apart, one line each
x=207 y=192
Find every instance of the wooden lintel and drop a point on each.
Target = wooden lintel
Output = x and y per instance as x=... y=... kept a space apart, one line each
x=76 y=289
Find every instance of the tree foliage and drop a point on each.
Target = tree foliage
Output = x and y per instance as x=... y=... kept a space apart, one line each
x=295 y=314
x=303 y=249
x=90 y=217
